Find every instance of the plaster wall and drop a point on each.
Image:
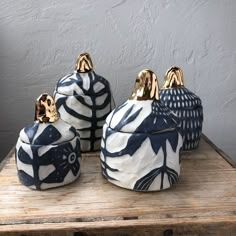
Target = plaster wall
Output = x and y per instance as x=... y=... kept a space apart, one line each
x=39 y=41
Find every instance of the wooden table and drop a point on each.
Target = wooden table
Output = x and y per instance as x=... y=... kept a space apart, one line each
x=203 y=202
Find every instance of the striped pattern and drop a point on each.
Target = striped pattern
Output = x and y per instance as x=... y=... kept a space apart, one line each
x=84 y=100
x=187 y=106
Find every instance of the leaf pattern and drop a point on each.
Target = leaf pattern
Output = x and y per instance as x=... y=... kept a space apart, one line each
x=170 y=134
x=64 y=157
x=91 y=86
x=48 y=136
x=145 y=182
x=26 y=179
x=23 y=156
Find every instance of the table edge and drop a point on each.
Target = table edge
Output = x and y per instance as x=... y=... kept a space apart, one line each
x=6 y=159
x=202 y=222
x=220 y=152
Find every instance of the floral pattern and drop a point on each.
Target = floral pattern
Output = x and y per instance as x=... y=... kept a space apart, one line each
x=49 y=164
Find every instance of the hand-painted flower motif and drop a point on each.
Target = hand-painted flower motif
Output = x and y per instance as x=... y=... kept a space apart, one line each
x=48 y=154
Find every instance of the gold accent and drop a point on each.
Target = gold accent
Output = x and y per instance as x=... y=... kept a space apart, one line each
x=45 y=109
x=173 y=78
x=84 y=63
x=145 y=87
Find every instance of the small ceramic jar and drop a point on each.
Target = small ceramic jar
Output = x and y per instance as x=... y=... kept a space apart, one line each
x=47 y=151
x=141 y=140
x=84 y=99
x=185 y=104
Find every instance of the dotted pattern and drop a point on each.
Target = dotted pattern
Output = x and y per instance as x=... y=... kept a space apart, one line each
x=160 y=109
x=187 y=106
x=179 y=98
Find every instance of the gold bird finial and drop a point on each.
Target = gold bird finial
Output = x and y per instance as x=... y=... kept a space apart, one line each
x=145 y=87
x=45 y=109
x=84 y=63
x=173 y=78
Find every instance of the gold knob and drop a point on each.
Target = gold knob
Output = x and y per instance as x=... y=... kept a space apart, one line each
x=84 y=63
x=45 y=109
x=173 y=78
x=145 y=87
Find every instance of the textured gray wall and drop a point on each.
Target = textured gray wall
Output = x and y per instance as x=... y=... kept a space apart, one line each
x=39 y=41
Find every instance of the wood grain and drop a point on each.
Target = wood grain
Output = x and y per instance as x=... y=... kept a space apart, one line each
x=203 y=202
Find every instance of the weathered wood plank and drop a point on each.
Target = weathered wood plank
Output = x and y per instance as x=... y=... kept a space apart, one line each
x=203 y=201
x=183 y=226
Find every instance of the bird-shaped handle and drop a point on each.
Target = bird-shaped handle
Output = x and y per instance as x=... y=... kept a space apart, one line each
x=145 y=87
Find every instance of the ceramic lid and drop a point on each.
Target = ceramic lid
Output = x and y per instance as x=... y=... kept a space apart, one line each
x=78 y=82
x=48 y=128
x=143 y=112
x=174 y=94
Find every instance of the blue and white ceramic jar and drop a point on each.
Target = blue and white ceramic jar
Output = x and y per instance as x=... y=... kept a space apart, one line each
x=84 y=99
x=47 y=151
x=141 y=140
x=185 y=104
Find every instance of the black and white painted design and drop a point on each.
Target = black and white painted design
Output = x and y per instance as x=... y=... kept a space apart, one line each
x=141 y=146
x=187 y=106
x=84 y=100
x=48 y=155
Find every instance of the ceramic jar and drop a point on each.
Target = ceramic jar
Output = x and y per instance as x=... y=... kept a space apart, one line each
x=84 y=99
x=141 y=140
x=47 y=151
x=185 y=104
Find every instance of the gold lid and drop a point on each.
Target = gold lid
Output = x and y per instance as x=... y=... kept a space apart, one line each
x=45 y=109
x=145 y=87
x=84 y=63
x=173 y=78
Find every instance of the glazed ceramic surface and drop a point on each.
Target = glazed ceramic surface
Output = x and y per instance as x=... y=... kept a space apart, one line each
x=48 y=154
x=141 y=146
x=84 y=100
x=188 y=107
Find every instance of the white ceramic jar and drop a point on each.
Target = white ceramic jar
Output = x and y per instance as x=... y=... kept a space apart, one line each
x=84 y=100
x=142 y=140
x=47 y=151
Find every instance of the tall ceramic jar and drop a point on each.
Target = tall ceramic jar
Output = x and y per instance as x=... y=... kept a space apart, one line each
x=141 y=140
x=84 y=100
x=47 y=151
x=185 y=104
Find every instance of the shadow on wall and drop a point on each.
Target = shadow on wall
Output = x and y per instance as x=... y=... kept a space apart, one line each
x=7 y=135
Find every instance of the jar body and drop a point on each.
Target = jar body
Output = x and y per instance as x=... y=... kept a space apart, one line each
x=84 y=101
x=187 y=106
x=47 y=166
x=141 y=161
x=191 y=125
